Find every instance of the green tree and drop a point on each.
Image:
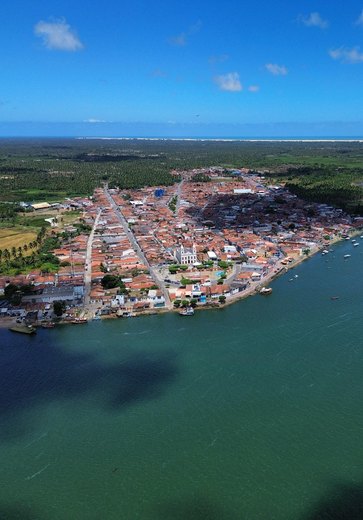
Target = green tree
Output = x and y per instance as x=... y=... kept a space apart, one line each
x=110 y=281
x=59 y=307
x=10 y=290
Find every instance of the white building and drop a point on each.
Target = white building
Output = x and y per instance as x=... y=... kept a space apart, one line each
x=242 y=191
x=186 y=255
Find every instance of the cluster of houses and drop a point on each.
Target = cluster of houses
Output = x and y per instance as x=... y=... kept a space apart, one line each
x=238 y=221
x=200 y=240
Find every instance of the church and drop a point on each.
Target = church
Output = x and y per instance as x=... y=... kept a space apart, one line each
x=186 y=255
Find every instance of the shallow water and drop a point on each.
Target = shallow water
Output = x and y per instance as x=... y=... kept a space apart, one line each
x=251 y=412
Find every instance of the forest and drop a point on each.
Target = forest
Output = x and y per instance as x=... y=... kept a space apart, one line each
x=52 y=169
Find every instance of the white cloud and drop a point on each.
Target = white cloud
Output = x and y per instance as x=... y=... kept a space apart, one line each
x=276 y=70
x=314 y=20
x=254 y=88
x=180 y=40
x=229 y=82
x=359 y=21
x=92 y=120
x=58 y=35
x=345 y=55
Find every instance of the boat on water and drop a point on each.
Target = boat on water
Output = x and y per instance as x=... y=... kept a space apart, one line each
x=48 y=325
x=125 y=314
x=188 y=311
x=78 y=321
x=355 y=244
x=347 y=256
x=23 y=329
x=266 y=291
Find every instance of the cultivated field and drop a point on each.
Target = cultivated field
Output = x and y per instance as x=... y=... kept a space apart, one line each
x=16 y=236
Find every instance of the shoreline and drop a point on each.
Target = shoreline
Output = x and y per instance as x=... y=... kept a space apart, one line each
x=7 y=321
x=230 y=140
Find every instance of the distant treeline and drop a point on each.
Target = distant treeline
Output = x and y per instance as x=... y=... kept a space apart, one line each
x=51 y=169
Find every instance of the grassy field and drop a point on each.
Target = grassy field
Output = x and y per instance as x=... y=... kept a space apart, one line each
x=37 y=219
x=16 y=236
x=34 y=195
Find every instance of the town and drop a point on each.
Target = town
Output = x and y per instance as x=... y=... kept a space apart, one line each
x=214 y=237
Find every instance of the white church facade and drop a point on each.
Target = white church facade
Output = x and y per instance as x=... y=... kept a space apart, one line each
x=186 y=255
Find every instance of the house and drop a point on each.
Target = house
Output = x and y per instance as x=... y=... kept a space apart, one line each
x=156 y=298
x=118 y=300
x=256 y=277
x=40 y=205
x=51 y=294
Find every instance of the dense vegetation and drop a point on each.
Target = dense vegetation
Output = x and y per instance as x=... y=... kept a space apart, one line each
x=52 y=169
x=13 y=262
x=337 y=186
x=110 y=281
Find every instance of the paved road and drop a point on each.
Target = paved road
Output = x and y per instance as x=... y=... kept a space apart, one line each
x=178 y=194
x=88 y=267
x=155 y=276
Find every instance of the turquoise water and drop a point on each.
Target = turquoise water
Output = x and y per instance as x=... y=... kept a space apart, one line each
x=253 y=412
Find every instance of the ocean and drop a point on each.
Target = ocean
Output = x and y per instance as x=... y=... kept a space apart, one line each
x=251 y=412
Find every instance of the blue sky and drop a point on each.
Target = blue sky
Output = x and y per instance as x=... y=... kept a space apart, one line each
x=202 y=67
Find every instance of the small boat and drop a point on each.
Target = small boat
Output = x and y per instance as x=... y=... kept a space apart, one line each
x=265 y=291
x=296 y=276
x=347 y=256
x=125 y=314
x=188 y=311
x=48 y=325
x=355 y=244
x=334 y=297
x=78 y=321
x=23 y=329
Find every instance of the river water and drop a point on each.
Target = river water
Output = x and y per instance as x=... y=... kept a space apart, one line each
x=253 y=412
